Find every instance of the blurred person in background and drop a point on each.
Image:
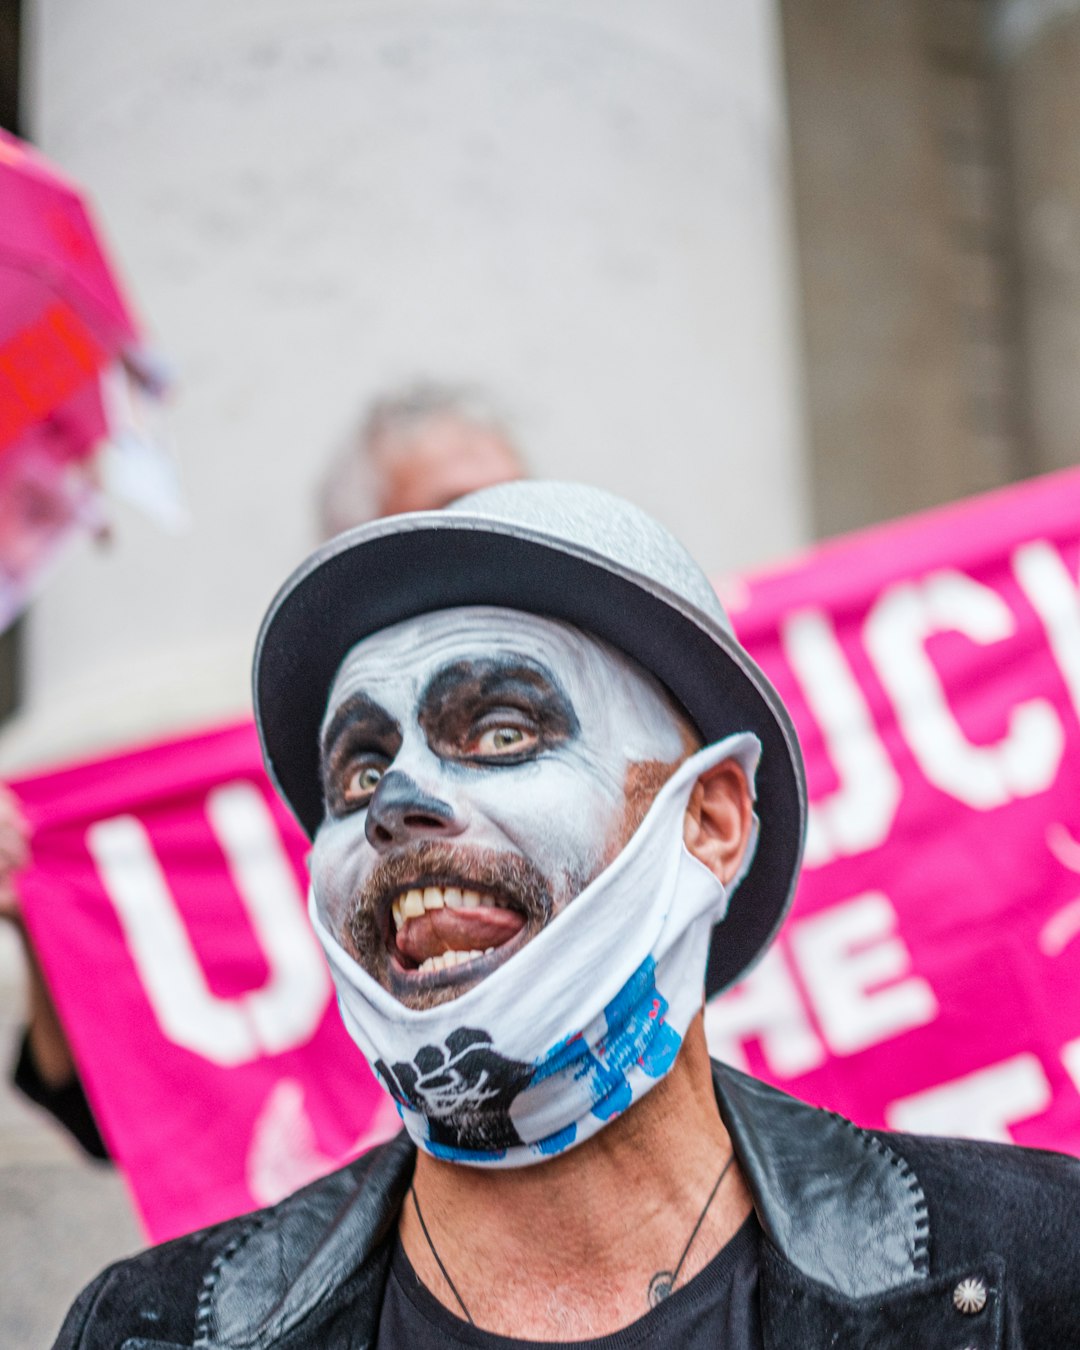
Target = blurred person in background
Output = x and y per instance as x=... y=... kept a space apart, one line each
x=416 y=449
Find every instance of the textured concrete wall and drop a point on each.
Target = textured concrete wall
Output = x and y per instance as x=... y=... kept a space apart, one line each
x=1037 y=46
x=580 y=206
x=904 y=260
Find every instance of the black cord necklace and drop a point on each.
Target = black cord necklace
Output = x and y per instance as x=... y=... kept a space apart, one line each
x=661 y=1285
x=438 y=1259
x=663 y=1282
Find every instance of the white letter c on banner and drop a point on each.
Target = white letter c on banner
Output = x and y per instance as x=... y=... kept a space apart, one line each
x=1025 y=761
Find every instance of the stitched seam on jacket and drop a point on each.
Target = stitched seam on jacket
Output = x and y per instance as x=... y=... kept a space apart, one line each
x=255 y=1333
x=204 y=1310
x=920 y=1255
x=341 y=1215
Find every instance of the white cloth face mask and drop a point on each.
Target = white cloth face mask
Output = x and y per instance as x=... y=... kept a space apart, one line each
x=576 y=1026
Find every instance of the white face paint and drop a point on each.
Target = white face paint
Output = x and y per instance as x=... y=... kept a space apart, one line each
x=481 y=766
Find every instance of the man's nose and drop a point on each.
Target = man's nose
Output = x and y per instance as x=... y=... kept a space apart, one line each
x=400 y=810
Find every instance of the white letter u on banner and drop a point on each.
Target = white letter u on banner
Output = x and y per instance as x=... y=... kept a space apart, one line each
x=288 y=1007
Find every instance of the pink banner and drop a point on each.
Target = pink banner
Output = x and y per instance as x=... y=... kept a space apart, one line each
x=926 y=980
x=166 y=902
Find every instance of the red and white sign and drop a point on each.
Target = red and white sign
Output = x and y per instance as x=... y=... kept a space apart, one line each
x=928 y=979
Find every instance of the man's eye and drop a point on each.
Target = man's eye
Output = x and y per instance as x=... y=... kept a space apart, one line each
x=505 y=740
x=361 y=782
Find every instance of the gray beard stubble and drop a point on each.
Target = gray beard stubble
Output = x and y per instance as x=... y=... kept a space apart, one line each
x=434 y=864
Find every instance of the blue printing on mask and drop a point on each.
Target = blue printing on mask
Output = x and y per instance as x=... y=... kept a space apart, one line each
x=637 y=1035
x=558 y=1142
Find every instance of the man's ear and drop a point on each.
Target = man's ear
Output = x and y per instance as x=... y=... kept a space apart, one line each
x=718 y=820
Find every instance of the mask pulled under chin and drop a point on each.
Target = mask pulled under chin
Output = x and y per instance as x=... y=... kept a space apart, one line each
x=577 y=1025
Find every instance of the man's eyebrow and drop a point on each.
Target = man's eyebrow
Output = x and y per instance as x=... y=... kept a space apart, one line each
x=508 y=677
x=360 y=710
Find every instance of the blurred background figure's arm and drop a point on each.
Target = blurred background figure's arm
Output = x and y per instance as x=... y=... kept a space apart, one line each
x=44 y=1069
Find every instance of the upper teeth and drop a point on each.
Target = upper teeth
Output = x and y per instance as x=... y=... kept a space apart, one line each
x=417 y=902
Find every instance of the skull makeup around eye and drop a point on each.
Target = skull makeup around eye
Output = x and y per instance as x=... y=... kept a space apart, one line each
x=480 y=767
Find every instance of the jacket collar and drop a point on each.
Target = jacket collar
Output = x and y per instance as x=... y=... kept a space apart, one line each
x=835 y=1201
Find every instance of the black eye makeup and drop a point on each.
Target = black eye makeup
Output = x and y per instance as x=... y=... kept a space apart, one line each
x=495 y=711
x=358 y=747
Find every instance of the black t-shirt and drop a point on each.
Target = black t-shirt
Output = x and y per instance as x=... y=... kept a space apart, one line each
x=716 y=1310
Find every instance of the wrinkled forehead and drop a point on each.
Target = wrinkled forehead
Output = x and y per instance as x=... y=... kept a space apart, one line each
x=395 y=667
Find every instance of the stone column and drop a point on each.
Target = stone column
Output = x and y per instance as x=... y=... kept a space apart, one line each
x=1037 y=45
x=905 y=261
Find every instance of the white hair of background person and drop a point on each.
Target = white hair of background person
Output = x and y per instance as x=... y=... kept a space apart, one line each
x=351 y=489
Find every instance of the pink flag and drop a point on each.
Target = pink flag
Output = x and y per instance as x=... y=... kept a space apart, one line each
x=929 y=977
x=166 y=902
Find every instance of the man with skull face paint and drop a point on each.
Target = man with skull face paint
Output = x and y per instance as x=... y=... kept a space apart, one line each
x=552 y=801
x=483 y=769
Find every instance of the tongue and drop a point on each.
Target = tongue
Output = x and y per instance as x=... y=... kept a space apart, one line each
x=457 y=930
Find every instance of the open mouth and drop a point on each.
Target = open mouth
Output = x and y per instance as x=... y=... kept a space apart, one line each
x=441 y=936
x=439 y=928
x=429 y=923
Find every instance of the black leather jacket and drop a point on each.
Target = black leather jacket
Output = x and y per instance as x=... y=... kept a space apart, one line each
x=871 y=1241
